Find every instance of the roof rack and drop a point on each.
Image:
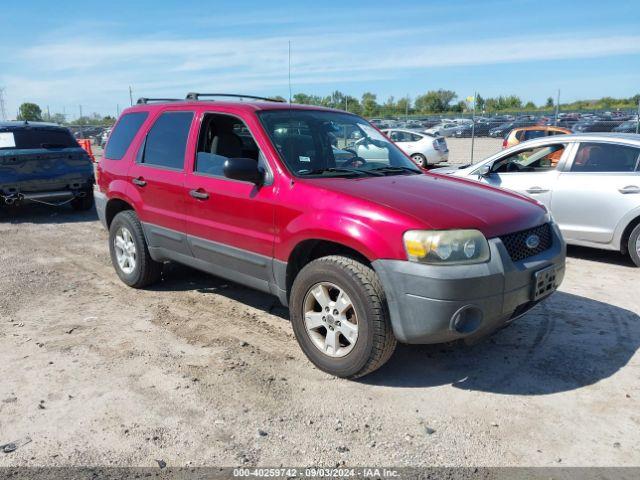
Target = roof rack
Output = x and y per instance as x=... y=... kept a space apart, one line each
x=144 y=100
x=196 y=96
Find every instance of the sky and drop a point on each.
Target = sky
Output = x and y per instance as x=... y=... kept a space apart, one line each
x=67 y=54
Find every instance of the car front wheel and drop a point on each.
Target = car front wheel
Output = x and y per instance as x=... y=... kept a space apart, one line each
x=340 y=318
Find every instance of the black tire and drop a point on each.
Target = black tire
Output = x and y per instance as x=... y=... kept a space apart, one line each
x=634 y=237
x=375 y=343
x=419 y=160
x=146 y=271
x=81 y=204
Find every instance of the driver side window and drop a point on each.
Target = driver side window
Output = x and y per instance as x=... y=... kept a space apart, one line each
x=539 y=159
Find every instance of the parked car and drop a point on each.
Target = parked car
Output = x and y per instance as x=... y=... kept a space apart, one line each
x=424 y=149
x=630 y=126
x=366 y=251
x=443 y=129
x=480 y=129
x=589 y=182
x=505 y=128
x=518 y=135
x=595 y=125
x=42 y=162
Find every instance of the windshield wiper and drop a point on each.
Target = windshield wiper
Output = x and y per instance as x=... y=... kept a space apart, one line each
x=352 y=171
x=393 y=169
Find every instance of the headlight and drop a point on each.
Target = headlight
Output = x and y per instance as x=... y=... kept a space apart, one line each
x=446 y=247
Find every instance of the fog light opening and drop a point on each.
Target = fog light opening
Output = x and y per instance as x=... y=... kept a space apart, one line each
x=467 y=319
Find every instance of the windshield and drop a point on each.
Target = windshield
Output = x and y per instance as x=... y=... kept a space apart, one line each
x=321 y=143
x=35 y=138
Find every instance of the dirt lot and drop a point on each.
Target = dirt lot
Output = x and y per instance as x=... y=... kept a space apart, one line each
x=199 y=371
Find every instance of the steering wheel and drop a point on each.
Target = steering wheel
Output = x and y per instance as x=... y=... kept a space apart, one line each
x=355 y=162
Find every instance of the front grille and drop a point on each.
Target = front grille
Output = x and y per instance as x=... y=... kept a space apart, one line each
x=516 y=245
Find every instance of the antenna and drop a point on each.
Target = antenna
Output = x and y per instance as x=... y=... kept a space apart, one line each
x=289 y=71
x=3 y=112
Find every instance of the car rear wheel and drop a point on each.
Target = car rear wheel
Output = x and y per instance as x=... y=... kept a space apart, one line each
x=130 y=253
x=340 y=317
x=633 y=246
x=419 y=159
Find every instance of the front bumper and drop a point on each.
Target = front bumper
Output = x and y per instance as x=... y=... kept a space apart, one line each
x=435 y=304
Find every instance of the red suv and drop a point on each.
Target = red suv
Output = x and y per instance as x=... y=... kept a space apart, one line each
x=319 y=208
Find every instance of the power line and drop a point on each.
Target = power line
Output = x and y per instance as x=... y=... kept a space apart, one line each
x=3 y=112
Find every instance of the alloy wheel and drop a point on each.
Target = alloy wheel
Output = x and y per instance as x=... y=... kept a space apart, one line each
x=125 y=249
x=330 y=319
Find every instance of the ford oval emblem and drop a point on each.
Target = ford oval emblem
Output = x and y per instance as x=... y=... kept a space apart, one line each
x=532 y=241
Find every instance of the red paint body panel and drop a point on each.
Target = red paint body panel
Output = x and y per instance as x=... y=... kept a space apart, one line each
x=367 y=214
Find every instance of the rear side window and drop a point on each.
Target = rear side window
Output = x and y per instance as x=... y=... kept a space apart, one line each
x=123 y=134
x=37 y=138
x=529 y=134
x=605 y=157
x=167 y=140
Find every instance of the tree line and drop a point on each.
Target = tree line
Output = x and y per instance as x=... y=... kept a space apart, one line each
x=447 y=101
x=432 y=102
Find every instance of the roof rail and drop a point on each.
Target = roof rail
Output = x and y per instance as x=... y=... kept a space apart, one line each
x=196 y=96
x=144 y=100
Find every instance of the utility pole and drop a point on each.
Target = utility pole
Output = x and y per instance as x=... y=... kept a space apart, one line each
x=557 y=107
x=3 y=112
x=638 y=119
x=130 y=96
x=406 y=108
x=117 y=110
x=473 y=124
x=48 y=114
x=80 y=121
x=289 y=71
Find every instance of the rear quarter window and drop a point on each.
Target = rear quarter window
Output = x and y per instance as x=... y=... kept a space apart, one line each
x=123 y=133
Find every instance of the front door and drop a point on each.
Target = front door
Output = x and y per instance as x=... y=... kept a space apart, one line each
x=229 y=222
x=530 y=171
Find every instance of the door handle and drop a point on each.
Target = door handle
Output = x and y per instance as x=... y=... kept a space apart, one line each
x=139 y=182
x=629 y=189
x=199 y=194
x=537 y=190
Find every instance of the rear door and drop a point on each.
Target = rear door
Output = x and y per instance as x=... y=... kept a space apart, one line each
x=157 y=177
x=596 y=190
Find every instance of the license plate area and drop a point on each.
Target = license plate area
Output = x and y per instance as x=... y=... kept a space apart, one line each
x=544 y=282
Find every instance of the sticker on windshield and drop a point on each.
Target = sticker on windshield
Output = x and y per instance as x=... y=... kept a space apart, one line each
x=372 y=132
x=7 y=140
x=304 y=159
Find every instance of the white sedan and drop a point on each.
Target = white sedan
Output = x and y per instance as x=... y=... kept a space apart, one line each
x=590 y=183
x=424 y=149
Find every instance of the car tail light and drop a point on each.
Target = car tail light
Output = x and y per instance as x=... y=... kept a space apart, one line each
x=505 y=143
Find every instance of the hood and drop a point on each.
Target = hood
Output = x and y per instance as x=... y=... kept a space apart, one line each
x=443 y=202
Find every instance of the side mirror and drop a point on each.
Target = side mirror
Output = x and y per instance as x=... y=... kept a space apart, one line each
x=484 y=171
x=244 y=169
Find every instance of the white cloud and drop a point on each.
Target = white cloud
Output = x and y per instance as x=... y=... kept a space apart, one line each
x=99 y=70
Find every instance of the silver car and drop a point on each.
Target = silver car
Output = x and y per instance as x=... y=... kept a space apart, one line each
x=589 y=182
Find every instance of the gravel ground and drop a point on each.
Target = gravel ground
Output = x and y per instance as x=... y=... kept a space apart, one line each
x=200 y=371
